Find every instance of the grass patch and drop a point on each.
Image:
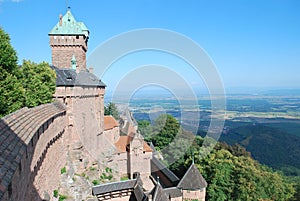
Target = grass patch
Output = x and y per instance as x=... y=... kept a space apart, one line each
x=96 y=182
x=62 y=197
x=124 y=178
x=55 y=193
x=63 y=170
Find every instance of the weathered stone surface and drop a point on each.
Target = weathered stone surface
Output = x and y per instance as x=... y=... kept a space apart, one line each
x=25 y=160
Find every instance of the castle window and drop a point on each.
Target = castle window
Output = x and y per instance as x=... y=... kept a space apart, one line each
x=9 y=189
x=20 y=166
x=77 y=37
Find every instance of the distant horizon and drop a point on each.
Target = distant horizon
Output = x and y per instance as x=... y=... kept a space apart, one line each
x=161 y=94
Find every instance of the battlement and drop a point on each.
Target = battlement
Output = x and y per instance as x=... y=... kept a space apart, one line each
x=68 y=39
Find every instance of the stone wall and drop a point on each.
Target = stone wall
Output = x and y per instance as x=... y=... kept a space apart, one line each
x=82 y=98
x=64 y=47
x=192 y=195
x=31 y=152
x=112 y=134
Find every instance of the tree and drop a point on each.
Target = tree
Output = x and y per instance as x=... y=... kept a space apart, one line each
x=39 y=83
x=241 y=178
x=145 y=129
x=12 y=93
x=111 y=109
x=8 y=56
x=230 y=171
x=11 y=90
x=165 y=128
x=29 y=85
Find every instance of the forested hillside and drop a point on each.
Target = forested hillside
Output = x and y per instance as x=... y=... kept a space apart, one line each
x=230 y=171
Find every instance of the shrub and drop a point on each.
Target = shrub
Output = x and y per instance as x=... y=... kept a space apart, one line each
x=62 y=197
x=63 y=170
x=96 y=182
x=55 y=193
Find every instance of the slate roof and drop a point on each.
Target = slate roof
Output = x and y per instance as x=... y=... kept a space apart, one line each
x=69 y=26
x=156 y=165
x=159 y=193
x=173 y=192
x=69 y=77
x=192 y=180
x=16 y=132
x=139 y=193
x=114 y=186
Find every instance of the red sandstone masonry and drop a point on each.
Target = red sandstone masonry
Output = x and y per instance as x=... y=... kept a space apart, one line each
x=64 y=47
x=23 y=150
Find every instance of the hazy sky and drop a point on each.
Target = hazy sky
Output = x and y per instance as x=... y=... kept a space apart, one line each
x=252 y=43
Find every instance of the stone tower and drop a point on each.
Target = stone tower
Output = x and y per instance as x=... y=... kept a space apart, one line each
x=139 y=156
x=68 y=41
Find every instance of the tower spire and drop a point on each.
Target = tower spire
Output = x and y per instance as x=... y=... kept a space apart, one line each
x=67 y=38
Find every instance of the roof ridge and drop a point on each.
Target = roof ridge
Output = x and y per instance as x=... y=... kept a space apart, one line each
x=192 y=179
x=68 y=25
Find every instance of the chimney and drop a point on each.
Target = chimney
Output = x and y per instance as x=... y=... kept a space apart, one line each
x=60 y=20
x=91 y=69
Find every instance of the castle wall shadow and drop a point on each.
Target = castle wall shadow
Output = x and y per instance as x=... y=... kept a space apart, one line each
x=32 y=150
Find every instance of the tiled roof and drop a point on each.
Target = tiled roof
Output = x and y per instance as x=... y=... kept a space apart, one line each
x=110 y=123
x=69 y=77
x=17 y=130
x=123 y=141
x=192 y=180
x=69 y=26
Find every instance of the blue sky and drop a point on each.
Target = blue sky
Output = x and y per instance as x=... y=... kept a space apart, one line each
x=252 y=43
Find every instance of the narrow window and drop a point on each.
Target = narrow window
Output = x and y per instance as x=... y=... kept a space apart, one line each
x=9 y=189
x=20 y=166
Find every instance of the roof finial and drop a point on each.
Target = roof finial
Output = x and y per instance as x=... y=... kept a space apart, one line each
x=60 y=19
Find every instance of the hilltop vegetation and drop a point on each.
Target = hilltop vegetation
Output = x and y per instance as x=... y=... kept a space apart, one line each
x=270 y=146
x=27 y=85
x=230 y=171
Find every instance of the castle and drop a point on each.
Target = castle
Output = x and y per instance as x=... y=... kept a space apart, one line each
x=35 y=143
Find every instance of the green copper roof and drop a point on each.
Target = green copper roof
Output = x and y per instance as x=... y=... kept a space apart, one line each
x=69 y=26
